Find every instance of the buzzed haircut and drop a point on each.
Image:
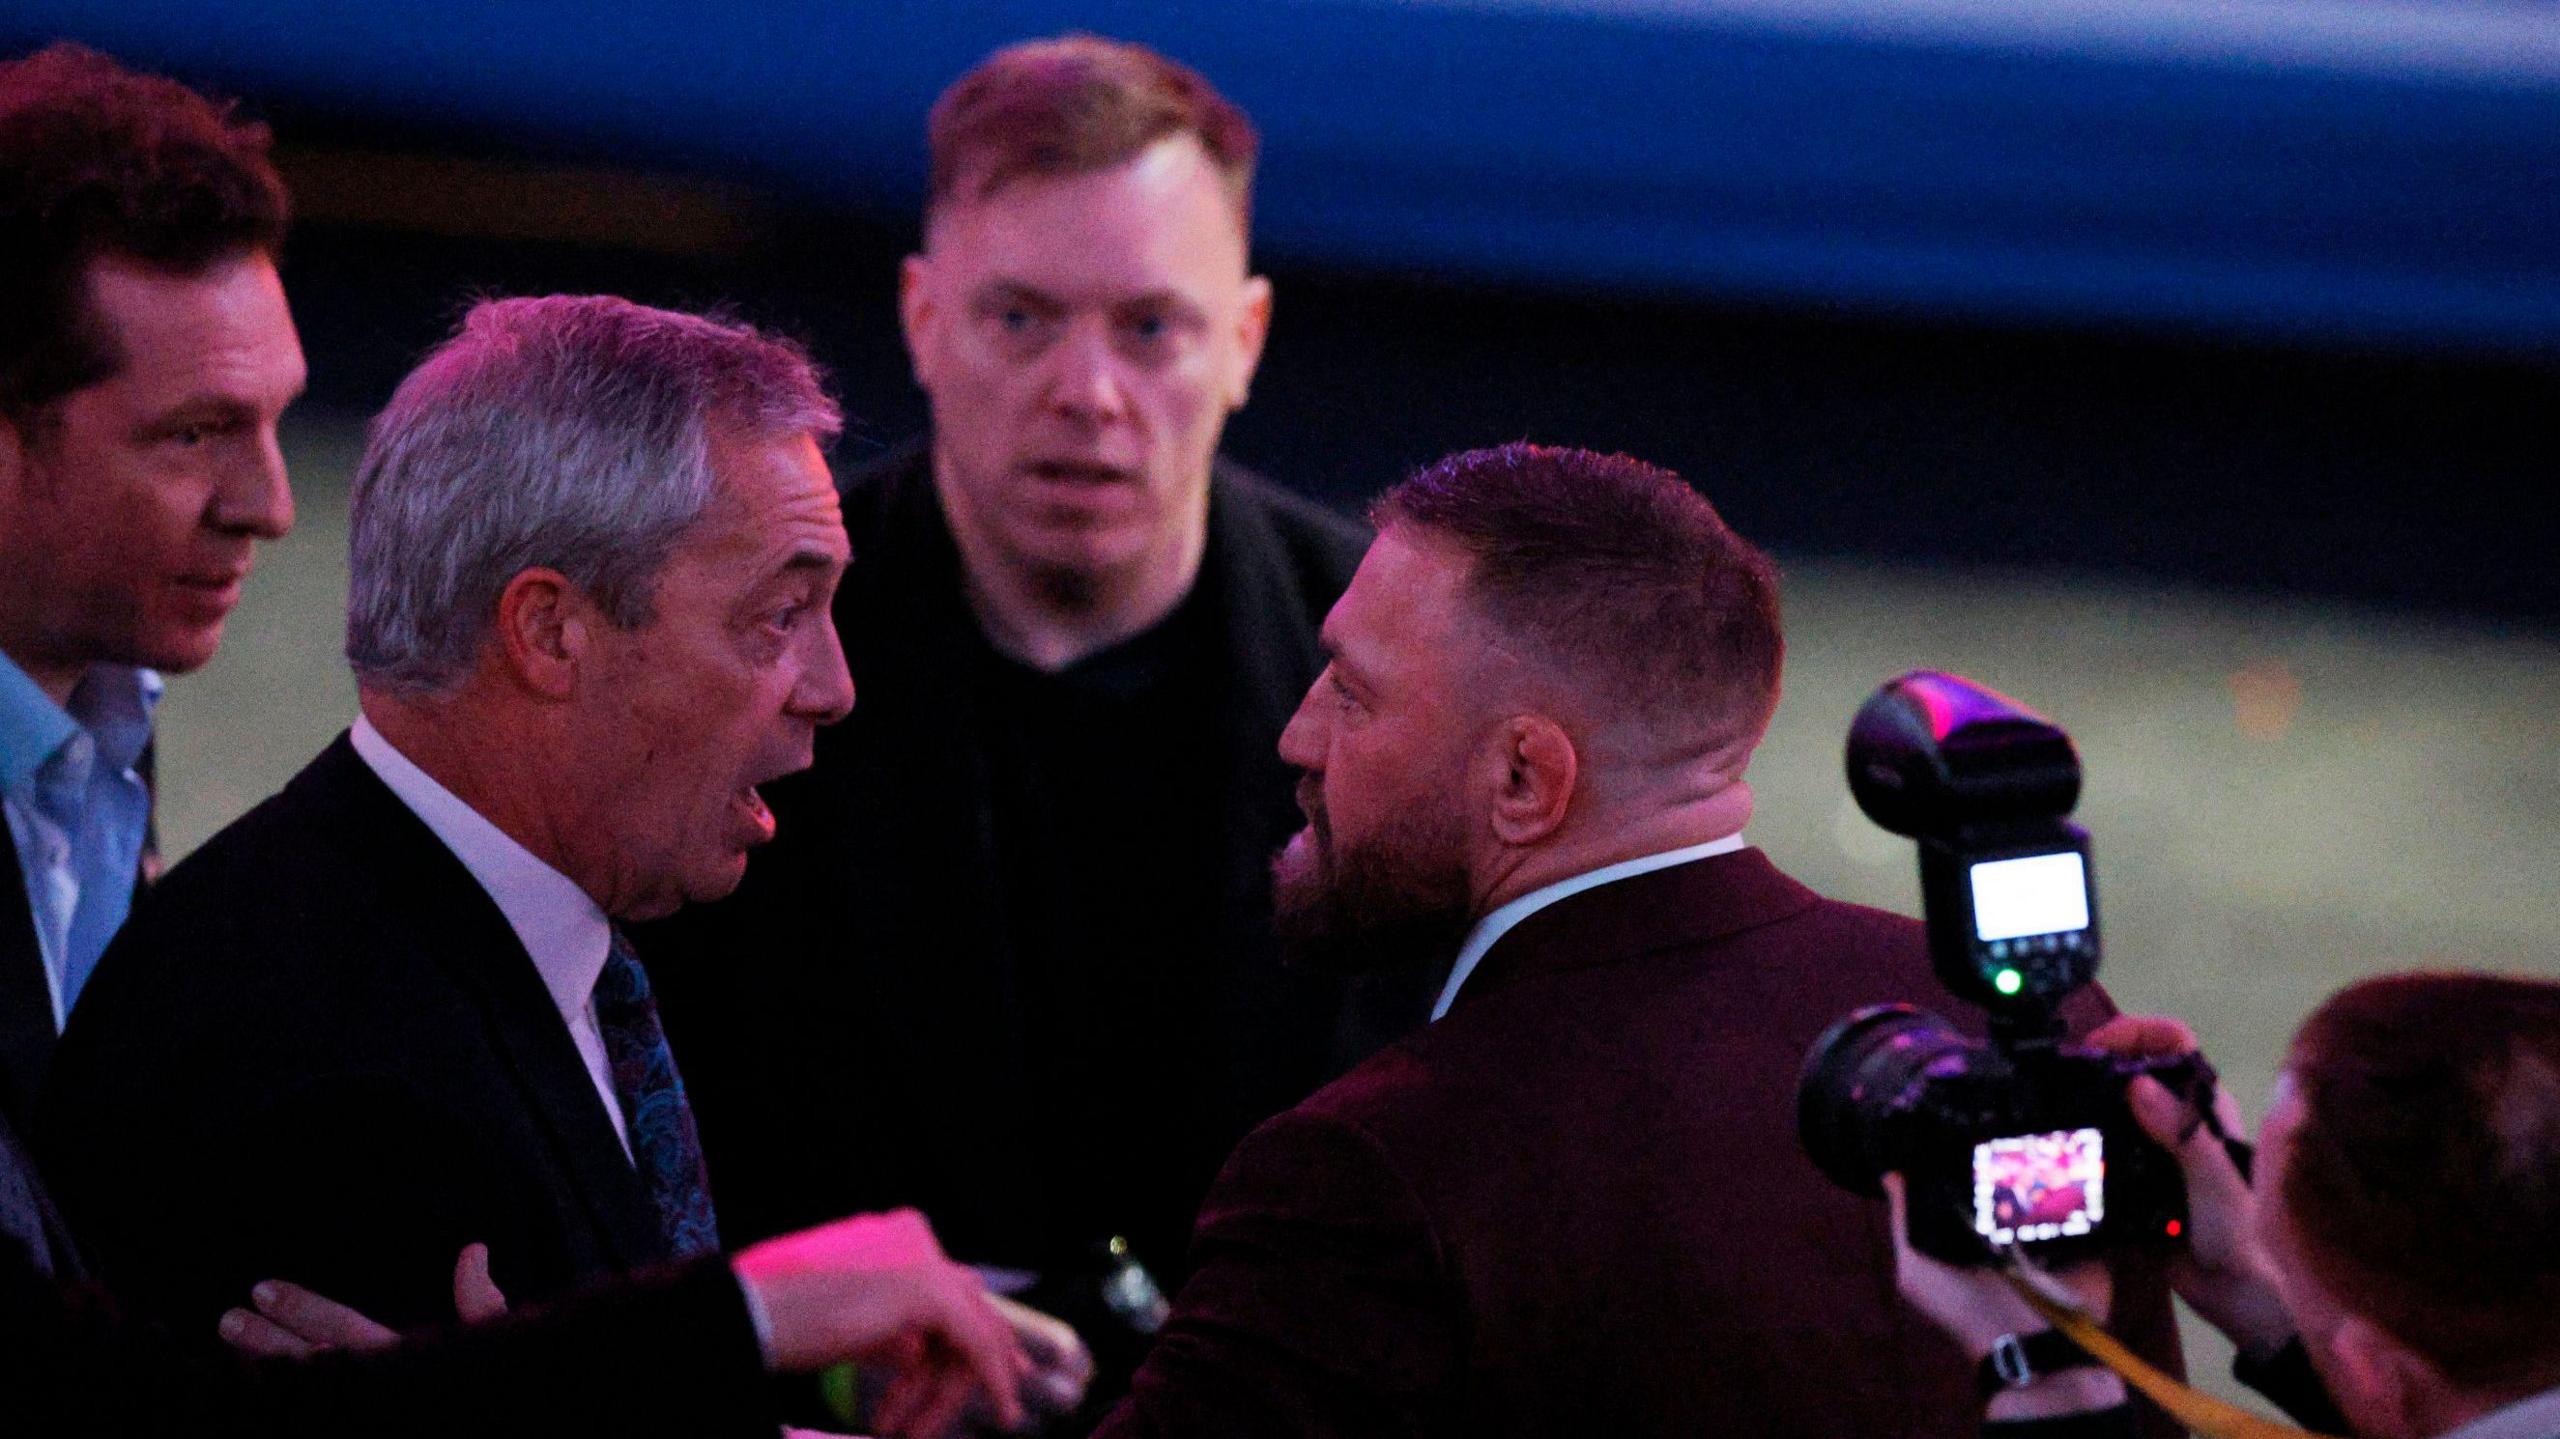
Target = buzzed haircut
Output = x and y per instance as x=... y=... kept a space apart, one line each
x=98 y=161
x=1617 y=574
x=2424 y=1178
x=1075 y=105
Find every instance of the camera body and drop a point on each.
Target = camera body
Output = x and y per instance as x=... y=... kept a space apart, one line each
x=2022 y=1140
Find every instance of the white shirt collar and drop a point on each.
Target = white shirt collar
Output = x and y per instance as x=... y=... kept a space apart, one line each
x=1494 y=926
x=2534 y=1418
x=564 y=930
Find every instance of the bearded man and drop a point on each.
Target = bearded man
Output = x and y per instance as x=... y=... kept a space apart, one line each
x=1573 y=1203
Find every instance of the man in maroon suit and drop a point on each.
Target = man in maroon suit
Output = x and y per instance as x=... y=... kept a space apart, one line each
x=1573 y=1203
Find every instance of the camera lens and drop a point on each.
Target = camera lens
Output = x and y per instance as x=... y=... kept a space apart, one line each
x=1858 y=1075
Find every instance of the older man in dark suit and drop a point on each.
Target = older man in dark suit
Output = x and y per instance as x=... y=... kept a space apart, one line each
x=1572 y=1204
x=387 y=1013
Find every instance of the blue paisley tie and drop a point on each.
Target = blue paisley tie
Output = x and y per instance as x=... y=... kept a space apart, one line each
x=663 y=1142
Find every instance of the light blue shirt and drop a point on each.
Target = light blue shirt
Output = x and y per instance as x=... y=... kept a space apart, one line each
x=76 y=809
x=1502 y=921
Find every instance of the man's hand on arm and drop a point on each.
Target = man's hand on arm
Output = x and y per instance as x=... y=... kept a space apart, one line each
x=290 y=1322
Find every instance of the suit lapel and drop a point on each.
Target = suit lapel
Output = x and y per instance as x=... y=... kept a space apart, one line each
x=27 y=1213
x=26 y=998
x=454 y=922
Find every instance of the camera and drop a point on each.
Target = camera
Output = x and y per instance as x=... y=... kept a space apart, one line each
x=2022 y=1140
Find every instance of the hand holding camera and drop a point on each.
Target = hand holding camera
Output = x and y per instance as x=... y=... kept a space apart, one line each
x=2219 y=1270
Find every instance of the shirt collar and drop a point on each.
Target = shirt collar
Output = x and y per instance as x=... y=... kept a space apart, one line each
x=1490 y=929
x=113 y=702
x=2534 y=1418
x=559 y=924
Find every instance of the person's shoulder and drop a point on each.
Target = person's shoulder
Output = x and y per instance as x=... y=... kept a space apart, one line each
x=308 y=826
x=255 y=904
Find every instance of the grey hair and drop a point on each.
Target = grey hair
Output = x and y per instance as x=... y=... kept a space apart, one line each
x=571 y=432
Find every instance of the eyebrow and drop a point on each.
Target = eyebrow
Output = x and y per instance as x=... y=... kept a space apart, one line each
x=1017 y=291
x=804 y=561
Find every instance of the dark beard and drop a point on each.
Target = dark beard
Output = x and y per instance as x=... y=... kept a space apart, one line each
x=1400 y=898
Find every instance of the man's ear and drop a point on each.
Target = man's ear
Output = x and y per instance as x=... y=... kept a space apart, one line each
x=1253 y=326
x=915 y=313
x=1535 y=772
x=545 y=630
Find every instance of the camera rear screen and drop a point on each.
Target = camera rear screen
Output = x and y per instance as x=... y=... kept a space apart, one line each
x=2035 y=1187
x=2040 y=894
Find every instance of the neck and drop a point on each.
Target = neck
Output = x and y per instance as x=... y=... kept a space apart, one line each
x=1604 y=838
x=507 y=788
x=1050 y=618
x=55 y=677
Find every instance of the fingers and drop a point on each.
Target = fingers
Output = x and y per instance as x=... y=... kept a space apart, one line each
x=260 y=1337
x=987 y=1346
x=2143 y=1036
x=924 y=1404
x=1061 y=1366
x=2168 y=1119
x=318 y=1322
x=476 y=1298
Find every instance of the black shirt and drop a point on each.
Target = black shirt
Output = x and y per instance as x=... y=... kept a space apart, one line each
x=1106 y=840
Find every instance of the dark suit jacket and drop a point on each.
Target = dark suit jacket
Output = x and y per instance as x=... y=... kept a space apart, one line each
x=27 y=1034
x=852 y=1020
x=670 y=1357
x=1576 y=1204
x=318 y=1052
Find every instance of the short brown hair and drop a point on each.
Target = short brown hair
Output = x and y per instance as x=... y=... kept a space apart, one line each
x=96 y=160
x=1074 y=105
x=2424 y=1178
x=1617 y=572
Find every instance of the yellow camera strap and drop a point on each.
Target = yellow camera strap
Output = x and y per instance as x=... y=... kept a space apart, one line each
x=2202 y=1414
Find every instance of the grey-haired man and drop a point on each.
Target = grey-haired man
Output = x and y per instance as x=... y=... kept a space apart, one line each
x=388 y=1013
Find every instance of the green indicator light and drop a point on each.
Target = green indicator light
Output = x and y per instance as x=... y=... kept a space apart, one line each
x=2008 y=981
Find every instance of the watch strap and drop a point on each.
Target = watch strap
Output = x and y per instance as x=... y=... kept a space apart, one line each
x=2018 y=1360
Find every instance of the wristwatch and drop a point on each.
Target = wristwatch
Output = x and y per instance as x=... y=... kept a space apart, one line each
x=2018 y=1360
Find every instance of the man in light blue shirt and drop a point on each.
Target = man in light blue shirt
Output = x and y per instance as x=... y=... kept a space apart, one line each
x=144 y=363
x=78 y=805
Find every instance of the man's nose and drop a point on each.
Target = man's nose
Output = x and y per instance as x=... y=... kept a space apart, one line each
x=825 y=691
x=254 y=496
x=1086 y=380
x=1302 y=738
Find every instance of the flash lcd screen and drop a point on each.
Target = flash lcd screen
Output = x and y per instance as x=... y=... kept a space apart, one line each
x=2040 y=894
x=2033 y=1187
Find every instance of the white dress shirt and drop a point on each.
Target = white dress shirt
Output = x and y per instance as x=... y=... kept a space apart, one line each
x=2534 y=1418
x=564 y=930
x=1501 y=922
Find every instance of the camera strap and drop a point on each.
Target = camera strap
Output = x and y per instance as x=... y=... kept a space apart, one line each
x=2200 y=1413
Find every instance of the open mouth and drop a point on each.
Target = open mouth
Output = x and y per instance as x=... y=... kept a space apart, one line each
x=1077 y=472
x=752 y=809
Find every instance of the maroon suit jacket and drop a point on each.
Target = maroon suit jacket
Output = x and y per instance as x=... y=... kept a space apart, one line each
x=1576 y=1204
